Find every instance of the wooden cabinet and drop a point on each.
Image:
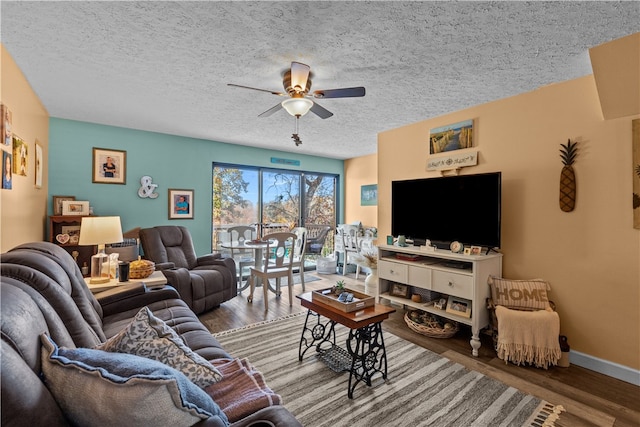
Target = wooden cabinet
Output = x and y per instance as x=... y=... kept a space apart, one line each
x=64 y=230
x=444 y=272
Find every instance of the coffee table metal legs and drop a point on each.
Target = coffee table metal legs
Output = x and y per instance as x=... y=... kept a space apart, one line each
x=368 y=357
x=364 y=356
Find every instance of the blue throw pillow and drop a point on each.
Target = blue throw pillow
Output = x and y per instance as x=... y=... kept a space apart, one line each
x=98 y=388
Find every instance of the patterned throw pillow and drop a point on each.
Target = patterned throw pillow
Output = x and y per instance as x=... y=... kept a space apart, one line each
x=98 y=388
x=148 y=336
x=520 y=294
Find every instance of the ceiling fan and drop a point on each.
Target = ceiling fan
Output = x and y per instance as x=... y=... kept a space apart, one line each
x=297 y=84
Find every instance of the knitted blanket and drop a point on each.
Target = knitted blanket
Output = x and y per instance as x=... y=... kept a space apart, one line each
x=242 y=390
x=528 y=336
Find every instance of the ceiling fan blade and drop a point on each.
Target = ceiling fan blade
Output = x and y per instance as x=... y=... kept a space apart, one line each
x=261 y=90
x=320 y=111
x=299 y=74
x=271 y=110
x=346 y=92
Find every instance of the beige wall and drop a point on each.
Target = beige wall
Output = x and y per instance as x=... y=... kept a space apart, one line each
x=591 y=256
x=358 y=172
x=24 y=206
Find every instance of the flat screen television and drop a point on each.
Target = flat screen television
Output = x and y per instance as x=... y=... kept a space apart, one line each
x=465 y=208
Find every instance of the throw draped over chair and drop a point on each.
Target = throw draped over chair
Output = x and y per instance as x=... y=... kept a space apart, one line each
x=298 y=251
x=203 y=282
x=281 y=245
x=243 y=257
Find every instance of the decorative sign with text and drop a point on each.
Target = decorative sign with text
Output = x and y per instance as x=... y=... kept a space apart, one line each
x=453 y=161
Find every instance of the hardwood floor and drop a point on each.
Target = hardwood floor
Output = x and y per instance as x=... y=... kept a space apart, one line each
x=590 y=398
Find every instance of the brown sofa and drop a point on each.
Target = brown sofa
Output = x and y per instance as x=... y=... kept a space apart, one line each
x=43 y=291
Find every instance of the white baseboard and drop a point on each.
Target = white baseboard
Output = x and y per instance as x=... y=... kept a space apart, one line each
x=605 y=367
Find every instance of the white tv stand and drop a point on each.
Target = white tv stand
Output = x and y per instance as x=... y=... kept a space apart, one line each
x=427 y=270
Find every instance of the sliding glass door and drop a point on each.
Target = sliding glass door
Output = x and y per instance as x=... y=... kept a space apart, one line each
x=274 y=198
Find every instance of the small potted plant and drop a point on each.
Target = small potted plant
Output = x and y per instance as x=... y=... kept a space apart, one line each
x=339 y=287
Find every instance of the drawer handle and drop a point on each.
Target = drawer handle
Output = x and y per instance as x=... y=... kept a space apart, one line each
x=451 y=283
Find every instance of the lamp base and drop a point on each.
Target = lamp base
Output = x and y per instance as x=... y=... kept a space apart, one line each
x=99 y=280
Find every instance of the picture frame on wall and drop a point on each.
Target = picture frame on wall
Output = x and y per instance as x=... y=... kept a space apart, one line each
x=20 y=156
x=75 y=207
x=180 y=204
x=451 y=137
x=57 y=203
x=109 y=166
x=7 y=119
x=459 y=306
x=39 y=165
x=369 y=195
x=7 y=171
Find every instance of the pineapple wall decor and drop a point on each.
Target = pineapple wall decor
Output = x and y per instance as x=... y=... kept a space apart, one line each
x=568 y=153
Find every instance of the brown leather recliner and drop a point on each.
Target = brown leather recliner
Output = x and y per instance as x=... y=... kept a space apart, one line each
x=203 y=282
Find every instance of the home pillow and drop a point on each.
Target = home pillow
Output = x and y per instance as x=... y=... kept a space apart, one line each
x=520 y=294
x=98 y=388
x=148 y=336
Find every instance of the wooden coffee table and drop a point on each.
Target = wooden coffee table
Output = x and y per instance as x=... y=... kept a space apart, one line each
x=365 y=353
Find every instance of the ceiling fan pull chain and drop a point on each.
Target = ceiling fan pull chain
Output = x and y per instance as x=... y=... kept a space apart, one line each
x=295 y=136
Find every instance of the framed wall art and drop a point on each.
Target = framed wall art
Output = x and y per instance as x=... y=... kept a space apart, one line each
x=180 y=204
x=39 y=165
x=369 y=195
x=7 y=119
x=109 y=166
x=57 y=203
x=459 y=306
x=7 y=171
x=75 y=207
x=451 y=137
x=20 y=156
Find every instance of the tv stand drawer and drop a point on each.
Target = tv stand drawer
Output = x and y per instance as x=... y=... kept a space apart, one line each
x=459 y=285
x=393 y=271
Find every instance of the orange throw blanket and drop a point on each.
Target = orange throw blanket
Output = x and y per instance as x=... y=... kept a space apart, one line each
x=242 y=390
x=528 y=336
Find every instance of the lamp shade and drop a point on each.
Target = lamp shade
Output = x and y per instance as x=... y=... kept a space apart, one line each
x=297 y=106
x=100 y=230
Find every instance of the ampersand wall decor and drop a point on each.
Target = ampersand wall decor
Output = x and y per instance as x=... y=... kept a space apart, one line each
x=147 y=189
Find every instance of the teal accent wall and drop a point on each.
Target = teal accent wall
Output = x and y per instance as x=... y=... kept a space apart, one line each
x=172 y=161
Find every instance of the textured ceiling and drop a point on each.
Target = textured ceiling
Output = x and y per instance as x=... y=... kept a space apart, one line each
x=164 y=66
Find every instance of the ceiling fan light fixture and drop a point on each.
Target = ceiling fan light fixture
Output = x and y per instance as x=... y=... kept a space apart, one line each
x=297 y=106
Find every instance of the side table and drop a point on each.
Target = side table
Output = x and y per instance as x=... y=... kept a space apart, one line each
x=156 y=279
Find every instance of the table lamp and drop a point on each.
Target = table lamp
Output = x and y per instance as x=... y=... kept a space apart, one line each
x=100 y=230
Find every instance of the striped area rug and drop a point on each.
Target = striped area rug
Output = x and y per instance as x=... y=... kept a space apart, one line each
x=422 y=388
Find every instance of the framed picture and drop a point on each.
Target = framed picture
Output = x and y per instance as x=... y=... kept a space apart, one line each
x=39 y=165
x=7 y=119
x=57 y=203
x=476 y=250
x=20 y=156
x=180 y=204
x=7 y=171
x=459 y=306
x=398 y=290
x=73 y=231
x=369 y=195
x=467 y=250
x=451 y=137
x=75 y=207
x=109 y=166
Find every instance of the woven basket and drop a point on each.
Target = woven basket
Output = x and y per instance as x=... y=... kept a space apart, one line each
x=142 y=272
x=431 y=329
